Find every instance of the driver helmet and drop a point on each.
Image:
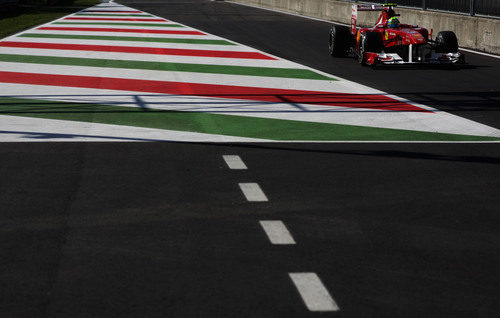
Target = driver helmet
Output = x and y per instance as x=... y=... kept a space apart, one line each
x=393 y=23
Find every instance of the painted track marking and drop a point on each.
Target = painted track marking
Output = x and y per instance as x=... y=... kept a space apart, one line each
x=234 y=162
x=197 y=89
x=122 y=30
x=133 y=49
x=116 y=19
x=313 y=292
x=253 y=192
x=277 y=232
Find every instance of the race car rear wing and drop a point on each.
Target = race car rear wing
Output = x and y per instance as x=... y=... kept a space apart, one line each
x=365 y=7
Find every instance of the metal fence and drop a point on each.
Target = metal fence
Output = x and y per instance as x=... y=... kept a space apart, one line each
x=472 y=7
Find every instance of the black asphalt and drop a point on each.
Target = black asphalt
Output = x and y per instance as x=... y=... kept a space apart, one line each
x=162 y=229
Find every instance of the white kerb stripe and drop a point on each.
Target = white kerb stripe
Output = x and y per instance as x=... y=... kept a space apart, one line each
x=253 y=192
x=277 y=232
x=313 y=292
x=234 y=162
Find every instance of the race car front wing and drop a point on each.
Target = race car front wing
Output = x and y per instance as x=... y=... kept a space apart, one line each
x=424 y=56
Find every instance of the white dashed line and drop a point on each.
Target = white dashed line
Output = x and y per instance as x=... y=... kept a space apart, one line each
x=277 y=232
x=313 y=292
x=253 y=192
x=234 y=162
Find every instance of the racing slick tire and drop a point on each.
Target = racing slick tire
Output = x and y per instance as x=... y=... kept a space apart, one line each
x=369 y=42
x=446 y=42
x=339 y=40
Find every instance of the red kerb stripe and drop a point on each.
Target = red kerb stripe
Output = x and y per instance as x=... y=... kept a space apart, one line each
x=371 y=101
x=122 y=30
x=116 y=19
x=142 y=50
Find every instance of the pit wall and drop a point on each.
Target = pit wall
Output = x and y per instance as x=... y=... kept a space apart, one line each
x=477 y=33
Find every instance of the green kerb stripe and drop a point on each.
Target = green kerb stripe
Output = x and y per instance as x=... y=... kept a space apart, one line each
x=160 y=25
x=125 y=38
x=274 y=129
x=163 y=66
x=114 y=15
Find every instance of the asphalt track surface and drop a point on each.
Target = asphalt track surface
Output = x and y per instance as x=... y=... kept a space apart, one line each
x=163 y=230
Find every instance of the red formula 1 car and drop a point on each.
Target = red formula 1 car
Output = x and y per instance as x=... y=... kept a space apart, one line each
x=390 y=42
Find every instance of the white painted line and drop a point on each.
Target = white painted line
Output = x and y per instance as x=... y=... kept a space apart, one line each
x=277 y=232
x=313 y=292
x=253 y=192
x=234 y=162
x=480 y=53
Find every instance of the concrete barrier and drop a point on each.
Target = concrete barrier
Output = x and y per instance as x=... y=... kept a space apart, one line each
x=477 y=33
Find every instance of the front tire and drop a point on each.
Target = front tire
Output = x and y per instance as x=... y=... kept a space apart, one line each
x=369 y=42
x=446 y=42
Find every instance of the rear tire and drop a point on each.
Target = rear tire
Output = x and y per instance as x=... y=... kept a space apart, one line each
x=339 y=40
x=446 y=42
